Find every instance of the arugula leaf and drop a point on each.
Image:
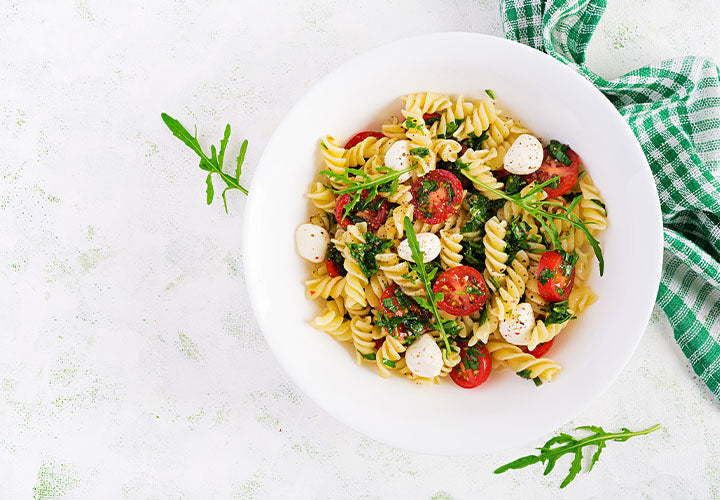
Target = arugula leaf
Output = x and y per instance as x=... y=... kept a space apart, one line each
x=364 y=253
x=568 y=445
x=557 y=151
x=558 y=312
x=214 y=163
x=490 y=93
x=419 y=267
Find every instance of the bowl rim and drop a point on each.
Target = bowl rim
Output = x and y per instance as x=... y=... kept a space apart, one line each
x=275 y=343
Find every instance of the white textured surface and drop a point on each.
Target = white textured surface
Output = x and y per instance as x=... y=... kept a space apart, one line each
x=130 y=365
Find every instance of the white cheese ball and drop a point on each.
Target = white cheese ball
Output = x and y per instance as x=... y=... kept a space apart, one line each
x=397 y=158
x=517 y=326
x=311 y=242
x=525 y=155
x=423 y=357
x=428 y=243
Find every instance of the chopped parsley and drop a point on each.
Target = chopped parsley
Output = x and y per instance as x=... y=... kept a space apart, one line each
x=558 y=312
x=471 y=362
x=388 y=363
x=473 y=253
x=568 y=263
x=557 y=151
x=481 y=209
x=334 y=256
x=518 y=237
x=599 y=203
x=405 y=313
x=421 y=152
x=490 y=93
x=461 y=164
x=364 y=253
x=411 y=122
x=546 y=275
x=526 y=374
x=475 y=142
x=371 y=355
x=450 y=128
x=514 y=183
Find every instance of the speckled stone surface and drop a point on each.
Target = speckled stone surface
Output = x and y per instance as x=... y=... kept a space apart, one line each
x=130 y=363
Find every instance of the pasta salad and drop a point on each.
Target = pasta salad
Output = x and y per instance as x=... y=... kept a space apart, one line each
x=451 y=242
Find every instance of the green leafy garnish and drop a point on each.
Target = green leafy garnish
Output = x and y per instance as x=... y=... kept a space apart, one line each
x=473 y=253
x=421 y=152
x=526 y=374
x=432 y=119
x=490 y=93
x=364 y=253
x=370 y=356
x=411 y=122
x=599 y=203
x=431 y=298
x=566 y=444
x=518 y=237
x=214 y=163
x=537 y=209
x=514 y=183
x=557 y=151
x=475 y=142
x=546 y=275
x=558 y=312
x=389 y=363
x=450 y=128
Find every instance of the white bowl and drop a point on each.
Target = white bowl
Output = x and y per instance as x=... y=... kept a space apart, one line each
x=552 y=101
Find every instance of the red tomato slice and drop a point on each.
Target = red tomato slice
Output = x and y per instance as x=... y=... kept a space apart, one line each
x=542 y=349
x=430 y=116
x=551 y=168
x=555 y=277
x=361 y=136
x=332 y=268
x=436 y=196
x=474 y=367
x=401 y=306
x=464 y=291
x=374 y=217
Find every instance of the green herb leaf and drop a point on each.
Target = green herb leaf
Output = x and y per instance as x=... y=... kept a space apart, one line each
x=364 y=253
x=545 y=276
x=526 y=374
x=557 y=151
x=599 y=203
x=490 y=93
x=514 y=183
x=475 y=142
x=421 y=152
x=558 y=312
x=214 y=163
x=565 y=444
x=370 y=356
x=389 y=363
x=411 y=123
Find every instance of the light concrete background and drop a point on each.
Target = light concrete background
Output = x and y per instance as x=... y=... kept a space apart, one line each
x=130 y=364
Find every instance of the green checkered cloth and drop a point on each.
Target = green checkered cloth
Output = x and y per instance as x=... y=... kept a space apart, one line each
x=674 y=109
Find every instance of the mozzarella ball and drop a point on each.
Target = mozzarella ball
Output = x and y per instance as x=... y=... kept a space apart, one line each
x=428 y=243
x=525 y=155
x=423 y=357
x=311 y=242
x=397 y=158
x=517 y=327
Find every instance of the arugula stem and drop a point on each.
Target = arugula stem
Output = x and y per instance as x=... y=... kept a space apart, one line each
x=230 y=181
x=534 y=208
x=379 y=181
x=417 y=255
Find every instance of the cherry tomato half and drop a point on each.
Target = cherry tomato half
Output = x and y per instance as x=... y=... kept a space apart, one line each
x=394 y=303
x=464 y=291
x=375 y=214
x=555 y=276
x=551 y=167
x=474 y=367
x=436 y=196
x=361 y=136
x=542 y=349
x=332 y=268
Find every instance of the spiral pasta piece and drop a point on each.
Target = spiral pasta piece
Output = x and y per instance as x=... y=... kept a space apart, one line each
x=394 y=227
x=446 y=149
x=422 y=156
x=325 y=286
x=427 y=102
x=361 y=329
x=423 y=227
x=532 y=294
x=514 y=288
x=376 y=285
x=389 y=355
x=495 y=256
x=332 y=321
x=477 y=122
x=450 y=249
x=355 y=283
x=450 y=359
x=518 y=361
x=367 y=148
x=333 y=157
x=593 y=212
x=581 y=297
x=321 y=197
x=481 y=173
x=399 y=273
x=393 y=129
